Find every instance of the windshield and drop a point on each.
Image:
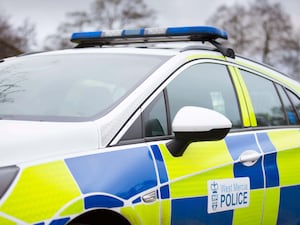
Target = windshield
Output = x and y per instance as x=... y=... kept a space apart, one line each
x=70 y=86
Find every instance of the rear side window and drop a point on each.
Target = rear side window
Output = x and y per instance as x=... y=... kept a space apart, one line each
x=296 y=101
x=289 y=108
x=265 y=99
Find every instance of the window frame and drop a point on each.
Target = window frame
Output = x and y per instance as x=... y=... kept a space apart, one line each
x=275 y=84
x=163 y=88
x=286 y=90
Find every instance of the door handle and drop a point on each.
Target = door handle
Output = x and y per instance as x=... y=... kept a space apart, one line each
x=249 y=157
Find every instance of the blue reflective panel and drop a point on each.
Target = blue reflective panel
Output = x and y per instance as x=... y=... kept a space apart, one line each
x=165 y=192
x=123 y=173
x=194 y=211
x=289 y=207
x=98 y=201
x=270 y=163
x=138 y=200
x=238 y=144
x=60 y=221
x=163 y=176
x=254 y=172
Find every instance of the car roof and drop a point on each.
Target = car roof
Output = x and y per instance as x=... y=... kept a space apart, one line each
x=117 y=50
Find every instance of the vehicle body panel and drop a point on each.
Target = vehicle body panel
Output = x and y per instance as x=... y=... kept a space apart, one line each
x=69 y=168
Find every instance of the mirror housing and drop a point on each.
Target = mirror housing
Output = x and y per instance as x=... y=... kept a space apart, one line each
x=192 y=124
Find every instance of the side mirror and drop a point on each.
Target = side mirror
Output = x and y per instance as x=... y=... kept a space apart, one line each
x=192 y=124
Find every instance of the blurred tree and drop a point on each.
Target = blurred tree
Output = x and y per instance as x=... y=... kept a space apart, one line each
x=114 y=14
x=260 y=30
x=6 y=45
x=103 y=14
x=75 y=22
x=290 y=59
x=237 y=22
x=14 y=41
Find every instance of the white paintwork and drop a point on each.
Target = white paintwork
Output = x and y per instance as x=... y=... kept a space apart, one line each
x=23 y=141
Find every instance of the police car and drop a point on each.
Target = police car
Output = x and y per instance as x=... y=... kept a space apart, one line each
x=110 y=134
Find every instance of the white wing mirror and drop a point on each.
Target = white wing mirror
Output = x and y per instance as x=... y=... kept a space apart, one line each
x=193 y=124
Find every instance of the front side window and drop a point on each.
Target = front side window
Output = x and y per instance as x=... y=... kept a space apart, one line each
x=153 y=122
x=205 y=85
x=155 y=118
x=74 y=86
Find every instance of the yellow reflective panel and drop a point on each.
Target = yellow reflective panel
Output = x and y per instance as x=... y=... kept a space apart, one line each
x=199 y=156
x=75 y=208
x=205 y=56
x=149 y=214
x=166 y=212
x=240 y=95
x=289 y=167
x=130 y=214
x=287 y=143
x=285 y=139
x=4 y=221
x=250 y=108
x=41 y=192
x=251 y=215
x=271 y=206
x=196 y=185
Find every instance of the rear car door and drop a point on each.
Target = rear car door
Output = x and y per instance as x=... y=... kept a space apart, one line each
x=277 y=131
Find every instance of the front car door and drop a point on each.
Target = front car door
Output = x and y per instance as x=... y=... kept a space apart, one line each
x=209 y=184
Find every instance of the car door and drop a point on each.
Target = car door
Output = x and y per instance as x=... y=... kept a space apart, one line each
x=212 y=182
x=276 y=111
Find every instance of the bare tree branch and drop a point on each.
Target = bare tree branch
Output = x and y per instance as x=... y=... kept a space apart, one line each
x=14 y=41
x=103 y=14
x=261 y=30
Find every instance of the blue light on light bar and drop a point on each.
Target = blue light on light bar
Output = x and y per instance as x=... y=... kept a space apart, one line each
x=86 y=35
x=197 y=30
x=136 y=32
x=195 y=33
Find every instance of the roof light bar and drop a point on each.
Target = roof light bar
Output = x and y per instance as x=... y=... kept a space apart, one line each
x=169 y=34
x=151 y=35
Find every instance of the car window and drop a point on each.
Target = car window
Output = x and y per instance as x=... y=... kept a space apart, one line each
x=295 y=100
x=152 y=123
x=205 y=85
x=70 y=86
x=289 y=108
x=265 y=100
x=155 y=118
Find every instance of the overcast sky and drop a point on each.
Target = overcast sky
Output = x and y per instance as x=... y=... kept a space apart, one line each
x=48 y=14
